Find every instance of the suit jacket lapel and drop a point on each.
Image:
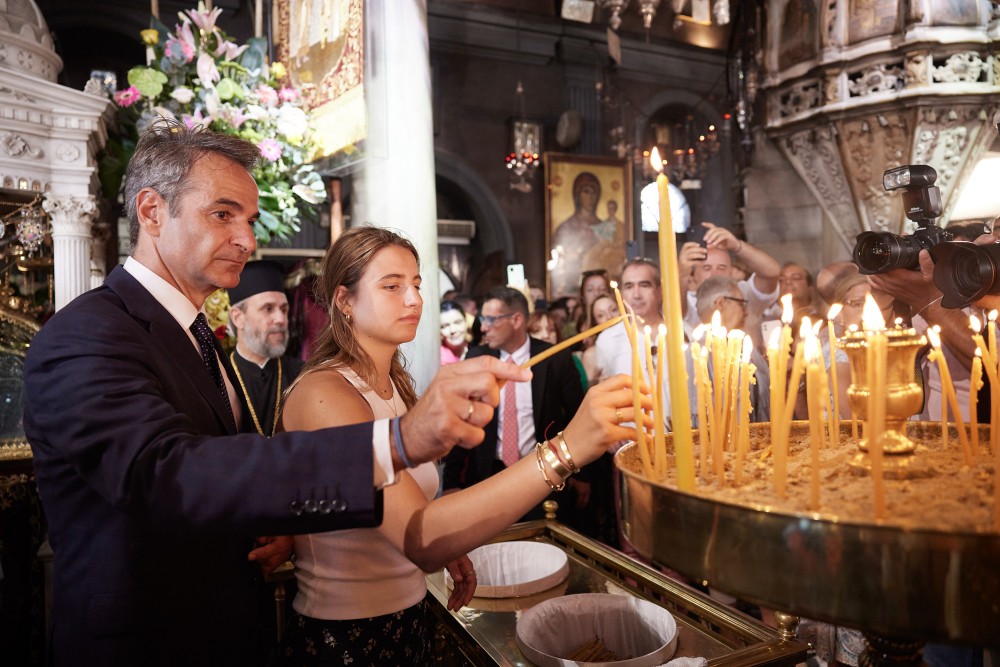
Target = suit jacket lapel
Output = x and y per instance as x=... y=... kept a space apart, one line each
x=169 y=338
x=539 y=373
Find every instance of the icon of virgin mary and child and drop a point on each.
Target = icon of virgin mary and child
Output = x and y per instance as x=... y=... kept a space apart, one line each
x=583 y=241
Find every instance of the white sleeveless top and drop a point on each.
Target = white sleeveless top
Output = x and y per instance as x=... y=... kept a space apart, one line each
x=358 y=573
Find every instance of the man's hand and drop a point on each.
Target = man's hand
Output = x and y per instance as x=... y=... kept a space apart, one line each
x=914 y=288
x=689 y=257
x=456 y=406
x=720 y=237
x=272 y=552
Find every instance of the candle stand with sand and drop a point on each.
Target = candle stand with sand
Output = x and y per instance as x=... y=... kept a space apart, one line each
x=925 y=571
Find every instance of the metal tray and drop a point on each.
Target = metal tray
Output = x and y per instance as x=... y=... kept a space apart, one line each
x=483 y=633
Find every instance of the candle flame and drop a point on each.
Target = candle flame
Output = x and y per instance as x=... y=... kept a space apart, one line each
x=852 y=328
x=898 y=322
x=993 y=315
x=975 y=324
x=648 y=330
x=655 y=160
x=775 y=340
x=871 y=315
x=813 y=350
x=787 y=311
x=834 y=311
x=979 y=353
x=716 y=321
x=805 y=329
x=661 y=330
x=698 y=333
x=934 y=337
x=747 y=349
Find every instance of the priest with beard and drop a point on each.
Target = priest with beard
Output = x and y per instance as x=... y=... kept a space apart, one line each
x=259 y=317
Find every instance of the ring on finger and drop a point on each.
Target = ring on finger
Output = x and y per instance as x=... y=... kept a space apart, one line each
x=469 y=411
x=619 y=418
x=470 y=573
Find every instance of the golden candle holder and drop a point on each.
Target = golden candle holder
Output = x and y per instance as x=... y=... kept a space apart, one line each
x=904 y=398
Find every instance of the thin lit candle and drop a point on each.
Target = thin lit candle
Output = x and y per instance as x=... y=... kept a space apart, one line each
x=834 y=385
x=975 y=384
x=743 y=426
x=571 y=341
x=814 y=360
x=875 y=364
x=948 y=389
x=781 y=446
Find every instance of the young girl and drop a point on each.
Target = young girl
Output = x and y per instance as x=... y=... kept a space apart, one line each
x=361 y=596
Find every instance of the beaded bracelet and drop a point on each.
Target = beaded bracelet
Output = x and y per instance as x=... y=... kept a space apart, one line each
x=541 y=469
x=564 y=448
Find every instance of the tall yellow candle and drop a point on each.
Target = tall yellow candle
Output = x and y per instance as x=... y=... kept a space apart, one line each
x=660 y=434
x=742 y=434
x=814 y=368
x=990 y=367
x=834 y=388
x=875 y=363
x=735 y=341
x=680 y=404
x=781 y=444
x=657 y=394
x=975 y=384
x=948 y=389
x=994 y=353
x=621 y=305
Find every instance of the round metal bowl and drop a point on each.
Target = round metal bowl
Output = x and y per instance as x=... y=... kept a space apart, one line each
x=894 y=582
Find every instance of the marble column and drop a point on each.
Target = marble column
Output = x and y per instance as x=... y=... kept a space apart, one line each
x=72 y=217
x=396 y=188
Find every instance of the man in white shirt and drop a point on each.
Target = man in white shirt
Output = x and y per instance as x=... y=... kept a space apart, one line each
x=697 y=263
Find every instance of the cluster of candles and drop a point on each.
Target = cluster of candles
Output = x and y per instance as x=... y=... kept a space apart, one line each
x=723 y=395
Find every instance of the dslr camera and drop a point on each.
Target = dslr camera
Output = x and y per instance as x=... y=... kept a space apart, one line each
x=880 y=252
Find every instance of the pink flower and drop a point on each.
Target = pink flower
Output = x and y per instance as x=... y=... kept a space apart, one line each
x=203 y=19
x=270 y=149
x=181 y=46
x=207 y=72
x=230 y=50
x=128 y=97
x=193 y=121
x=267 y=96
x=288 y=94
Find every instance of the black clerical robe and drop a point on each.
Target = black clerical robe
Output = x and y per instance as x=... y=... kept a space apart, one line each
x=260 y=389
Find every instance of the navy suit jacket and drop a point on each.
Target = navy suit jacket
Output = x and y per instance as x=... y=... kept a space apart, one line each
x=556 y=394
x=152 y=499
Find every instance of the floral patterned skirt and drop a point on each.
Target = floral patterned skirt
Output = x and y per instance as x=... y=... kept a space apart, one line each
x=401 y=638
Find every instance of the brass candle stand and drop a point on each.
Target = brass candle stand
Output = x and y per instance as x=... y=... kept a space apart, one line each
x=904 y=398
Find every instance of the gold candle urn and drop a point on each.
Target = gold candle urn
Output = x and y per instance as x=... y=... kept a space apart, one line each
x=904 y=397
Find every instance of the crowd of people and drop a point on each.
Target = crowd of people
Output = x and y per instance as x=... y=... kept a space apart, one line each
x=157 y=455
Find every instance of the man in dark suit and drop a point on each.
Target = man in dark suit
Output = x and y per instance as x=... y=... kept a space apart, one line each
x=526 y=414
x=151 y=497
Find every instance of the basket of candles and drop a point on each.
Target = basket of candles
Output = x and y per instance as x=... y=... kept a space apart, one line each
x=597 y=628
x=516 y=569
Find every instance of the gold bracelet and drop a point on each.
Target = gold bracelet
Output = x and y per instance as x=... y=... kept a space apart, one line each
x=550 y=457
x=541 y=469
x=564 y=448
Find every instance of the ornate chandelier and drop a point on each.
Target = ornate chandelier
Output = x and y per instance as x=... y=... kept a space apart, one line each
x=648 y=9
x=684 y=152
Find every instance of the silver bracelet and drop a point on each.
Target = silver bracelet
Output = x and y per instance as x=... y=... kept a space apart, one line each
x=929 y=304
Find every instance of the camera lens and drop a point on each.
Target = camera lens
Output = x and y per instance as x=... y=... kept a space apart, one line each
x=879 y=252
x=965 y=272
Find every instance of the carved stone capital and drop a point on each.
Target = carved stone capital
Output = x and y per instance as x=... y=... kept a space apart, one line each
x=15 y=145
x=72 y=215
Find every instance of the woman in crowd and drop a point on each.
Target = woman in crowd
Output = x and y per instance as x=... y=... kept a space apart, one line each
x=361 y=596
x=543 y=327
x=592 y=285
x=602 y=309
x=454 y=333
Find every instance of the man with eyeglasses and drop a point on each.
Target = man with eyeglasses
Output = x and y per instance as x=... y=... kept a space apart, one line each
x=698 y=263
x=641 y=292
x=528 y=412
x=724 y=295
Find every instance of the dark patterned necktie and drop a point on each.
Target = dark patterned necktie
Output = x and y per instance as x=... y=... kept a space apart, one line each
x=206 y=341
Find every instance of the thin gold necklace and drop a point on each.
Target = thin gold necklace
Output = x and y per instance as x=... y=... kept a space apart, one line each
x=246 y=395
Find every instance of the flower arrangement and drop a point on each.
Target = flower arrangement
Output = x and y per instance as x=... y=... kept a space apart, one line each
x=199 y=76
